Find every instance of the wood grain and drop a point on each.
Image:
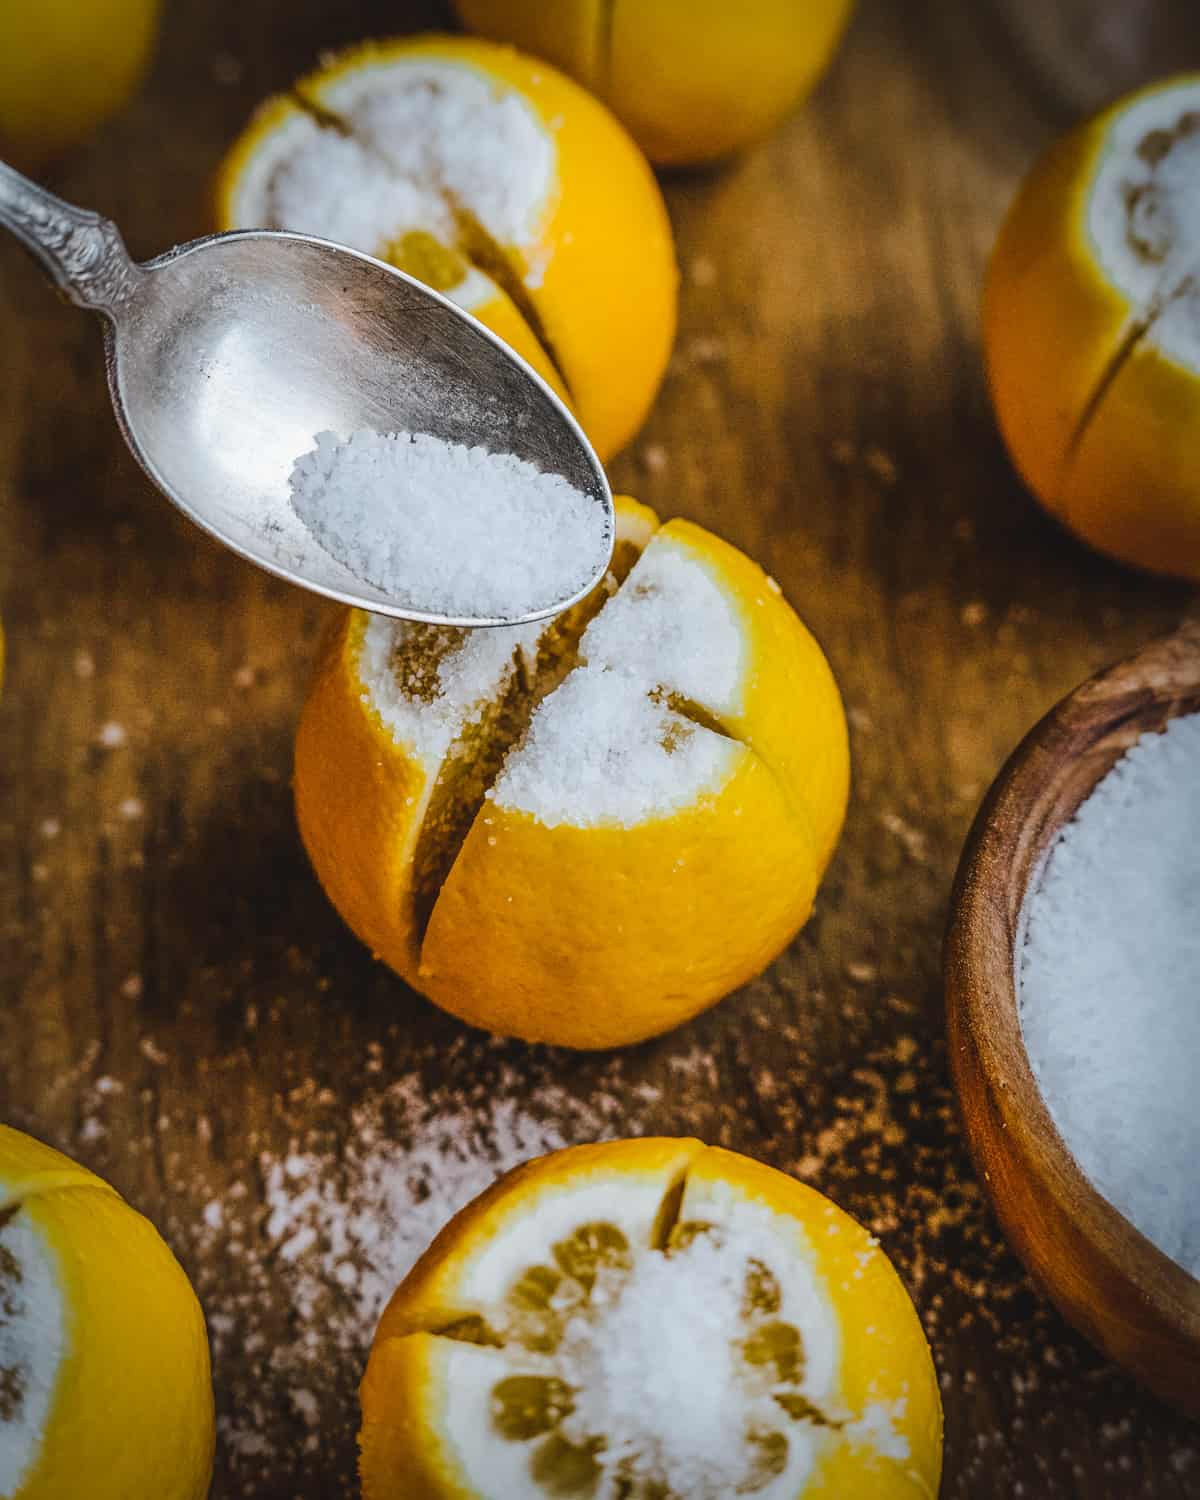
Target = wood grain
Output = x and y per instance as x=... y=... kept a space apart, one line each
x=181 y=1008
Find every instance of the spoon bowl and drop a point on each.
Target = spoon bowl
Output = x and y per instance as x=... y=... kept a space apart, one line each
x=1107 y=1278
x=228 y=355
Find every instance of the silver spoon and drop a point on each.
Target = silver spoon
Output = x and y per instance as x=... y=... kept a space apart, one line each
x=228 y=354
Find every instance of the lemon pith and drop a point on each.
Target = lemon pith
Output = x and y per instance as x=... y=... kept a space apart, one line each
x=104 y=1366
x=584 y=834
x=497 y=180
x=1089 y=319
x=522 y=1355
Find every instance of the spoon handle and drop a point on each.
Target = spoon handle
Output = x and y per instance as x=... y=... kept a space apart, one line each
x=82 y=251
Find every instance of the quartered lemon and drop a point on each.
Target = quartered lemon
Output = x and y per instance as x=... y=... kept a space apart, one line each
x=1092 y=329
x=692 y=79
x=66 y=65
x=495 y=180
x=104 y=1375
x=586 y=833
x=650 y=1320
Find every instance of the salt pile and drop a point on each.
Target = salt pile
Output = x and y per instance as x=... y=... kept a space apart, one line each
x=1110 y=987
x=446 y=529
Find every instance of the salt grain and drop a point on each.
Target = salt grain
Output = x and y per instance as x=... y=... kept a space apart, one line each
x=448 y=529
x=1109 y=976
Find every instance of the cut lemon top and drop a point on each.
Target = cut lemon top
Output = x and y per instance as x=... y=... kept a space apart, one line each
x=497 y=181
x=1091 y=319
x=651 y=1319
x=583 y=833
x=103 y=1354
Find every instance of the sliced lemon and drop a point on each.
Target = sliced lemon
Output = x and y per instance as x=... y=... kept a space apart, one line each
x=104 y=1368
x=650 y=1320
x=692 y=79
x=581 y=835
x=498 y=181
x=1091 y=318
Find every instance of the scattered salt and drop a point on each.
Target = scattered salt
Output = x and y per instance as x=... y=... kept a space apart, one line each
x=448 y=529
x=1109 y=976
x=336 y=1229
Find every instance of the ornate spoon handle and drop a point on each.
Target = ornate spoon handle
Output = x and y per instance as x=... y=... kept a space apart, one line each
x=82 y=251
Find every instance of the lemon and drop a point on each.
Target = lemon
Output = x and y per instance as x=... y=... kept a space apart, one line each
x=692 y=79
x=104 y=1368
x=651 y=1319
x=583 y=834
x=66 y=65
x=498 y=181
x=1090 y=316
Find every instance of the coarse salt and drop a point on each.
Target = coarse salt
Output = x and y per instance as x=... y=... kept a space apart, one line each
x=447 y=529
x=655 y=1365
x=601 y=750
x=1109 y=977
x=419 y=140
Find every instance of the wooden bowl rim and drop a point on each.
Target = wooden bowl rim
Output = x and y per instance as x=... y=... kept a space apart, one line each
x=1019 y=808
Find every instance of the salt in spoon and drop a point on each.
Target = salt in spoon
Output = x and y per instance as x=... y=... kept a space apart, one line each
x=228 y=354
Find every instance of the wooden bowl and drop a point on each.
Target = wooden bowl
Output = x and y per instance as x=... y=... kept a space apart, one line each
x=1106 y=1277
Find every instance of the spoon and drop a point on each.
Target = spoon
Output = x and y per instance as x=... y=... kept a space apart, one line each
x=228 y=354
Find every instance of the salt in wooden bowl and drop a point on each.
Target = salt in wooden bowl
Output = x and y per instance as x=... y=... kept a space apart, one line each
x=1107 y=1278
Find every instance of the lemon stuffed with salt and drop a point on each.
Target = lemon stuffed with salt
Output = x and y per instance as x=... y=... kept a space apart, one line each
x=585 y=833
x=104 y=1373
x=692 y=79
x=65 y=66
x=650 y=1320
x=494 y=179
x=1092 y=329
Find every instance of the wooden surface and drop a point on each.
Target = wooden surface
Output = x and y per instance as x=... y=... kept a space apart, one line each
x=181 y=1008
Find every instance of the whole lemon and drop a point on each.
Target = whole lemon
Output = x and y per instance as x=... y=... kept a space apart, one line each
x=66 y=65
x=692 y=79
x=1090 y=319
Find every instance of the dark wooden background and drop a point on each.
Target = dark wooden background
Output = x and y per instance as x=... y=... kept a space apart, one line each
x=160 y=930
